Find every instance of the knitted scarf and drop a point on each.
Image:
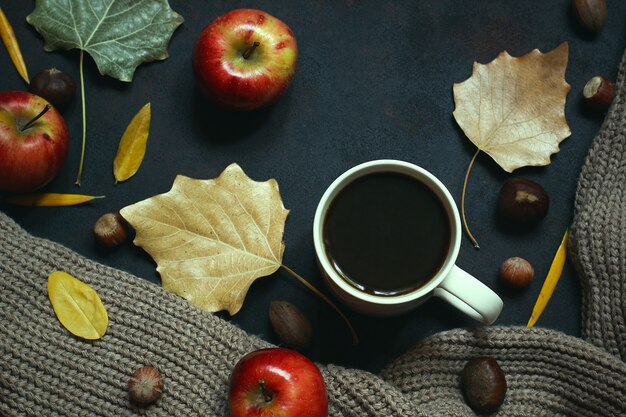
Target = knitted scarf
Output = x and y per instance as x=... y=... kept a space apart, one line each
x=44 y=371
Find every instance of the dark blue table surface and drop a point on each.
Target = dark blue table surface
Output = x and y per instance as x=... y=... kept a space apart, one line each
x=374 y=80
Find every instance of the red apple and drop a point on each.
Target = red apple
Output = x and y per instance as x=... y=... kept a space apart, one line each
x=245 y=59
x=277 y=382
x=33 y=141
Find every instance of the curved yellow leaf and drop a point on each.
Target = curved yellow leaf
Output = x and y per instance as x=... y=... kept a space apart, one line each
x=77 y=306
x=211 y=239
x=10 y=41
x=513 y=109
x=132 y=147
x=549 y=285
x=50 y=199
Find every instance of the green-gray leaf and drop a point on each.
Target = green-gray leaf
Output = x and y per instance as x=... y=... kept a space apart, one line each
x=118 y=34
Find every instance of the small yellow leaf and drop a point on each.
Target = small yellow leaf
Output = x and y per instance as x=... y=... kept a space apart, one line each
x=554 y=274
x=10 y=41
x=50 y=199
x=132 y=147
x=77 y=306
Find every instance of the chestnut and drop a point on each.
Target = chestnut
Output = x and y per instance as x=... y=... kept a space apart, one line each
x=598 y=92
x=483 y=384
x=523 y=201
x=55 y=86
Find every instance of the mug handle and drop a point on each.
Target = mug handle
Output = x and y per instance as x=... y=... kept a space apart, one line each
x=470 y=296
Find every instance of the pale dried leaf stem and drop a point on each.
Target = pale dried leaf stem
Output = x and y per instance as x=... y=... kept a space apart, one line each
x=469 y=233
x=84 y=115
x=355 y=337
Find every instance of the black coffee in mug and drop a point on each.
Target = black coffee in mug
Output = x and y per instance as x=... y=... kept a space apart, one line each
x=387 y=233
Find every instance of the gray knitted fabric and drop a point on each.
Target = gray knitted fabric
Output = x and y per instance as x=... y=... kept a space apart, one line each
x=44 y=371
x=598 y=244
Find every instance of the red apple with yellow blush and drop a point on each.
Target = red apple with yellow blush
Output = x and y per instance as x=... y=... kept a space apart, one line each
x=277 y=382
x=245 y=59
x=34 y=141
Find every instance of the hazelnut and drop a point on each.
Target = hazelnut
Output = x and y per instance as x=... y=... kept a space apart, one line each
x=590 y=13
x=483 y=384
x=517 y=272
x=145 y=386
x=110 y=230
x=598 y=92
x=290 y=324
x=523 y=201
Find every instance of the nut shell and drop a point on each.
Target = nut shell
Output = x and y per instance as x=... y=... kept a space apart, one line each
x=591 y=14
x=290 y=324
x=523 y=201
x=145 y=385
x=55 y=86
x=598 y=92
x=517 y=272
x=483 y=384
x=110 y=230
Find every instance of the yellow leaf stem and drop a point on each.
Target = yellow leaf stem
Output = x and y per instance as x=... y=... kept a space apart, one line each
x=77 y=306
x=49 y=199
x=10 y=41
x=132 y=147
x=554 y=274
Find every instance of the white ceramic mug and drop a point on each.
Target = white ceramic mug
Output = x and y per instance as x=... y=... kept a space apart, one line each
x=450 y=283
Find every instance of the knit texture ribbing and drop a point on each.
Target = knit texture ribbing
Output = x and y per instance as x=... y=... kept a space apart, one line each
x=598 y=244
x=47 y=372
x=44 y=371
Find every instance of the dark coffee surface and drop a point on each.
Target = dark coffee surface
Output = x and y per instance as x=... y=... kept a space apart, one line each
x=387 y=233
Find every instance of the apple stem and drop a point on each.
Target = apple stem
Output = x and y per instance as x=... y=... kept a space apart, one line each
x=34 y=119
x=267 y=396
x=248 y=52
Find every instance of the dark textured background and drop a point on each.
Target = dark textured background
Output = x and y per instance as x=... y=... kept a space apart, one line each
x=374 y=80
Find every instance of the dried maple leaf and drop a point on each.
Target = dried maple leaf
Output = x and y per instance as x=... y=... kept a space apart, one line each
x=211 y=239
x=513 y=109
